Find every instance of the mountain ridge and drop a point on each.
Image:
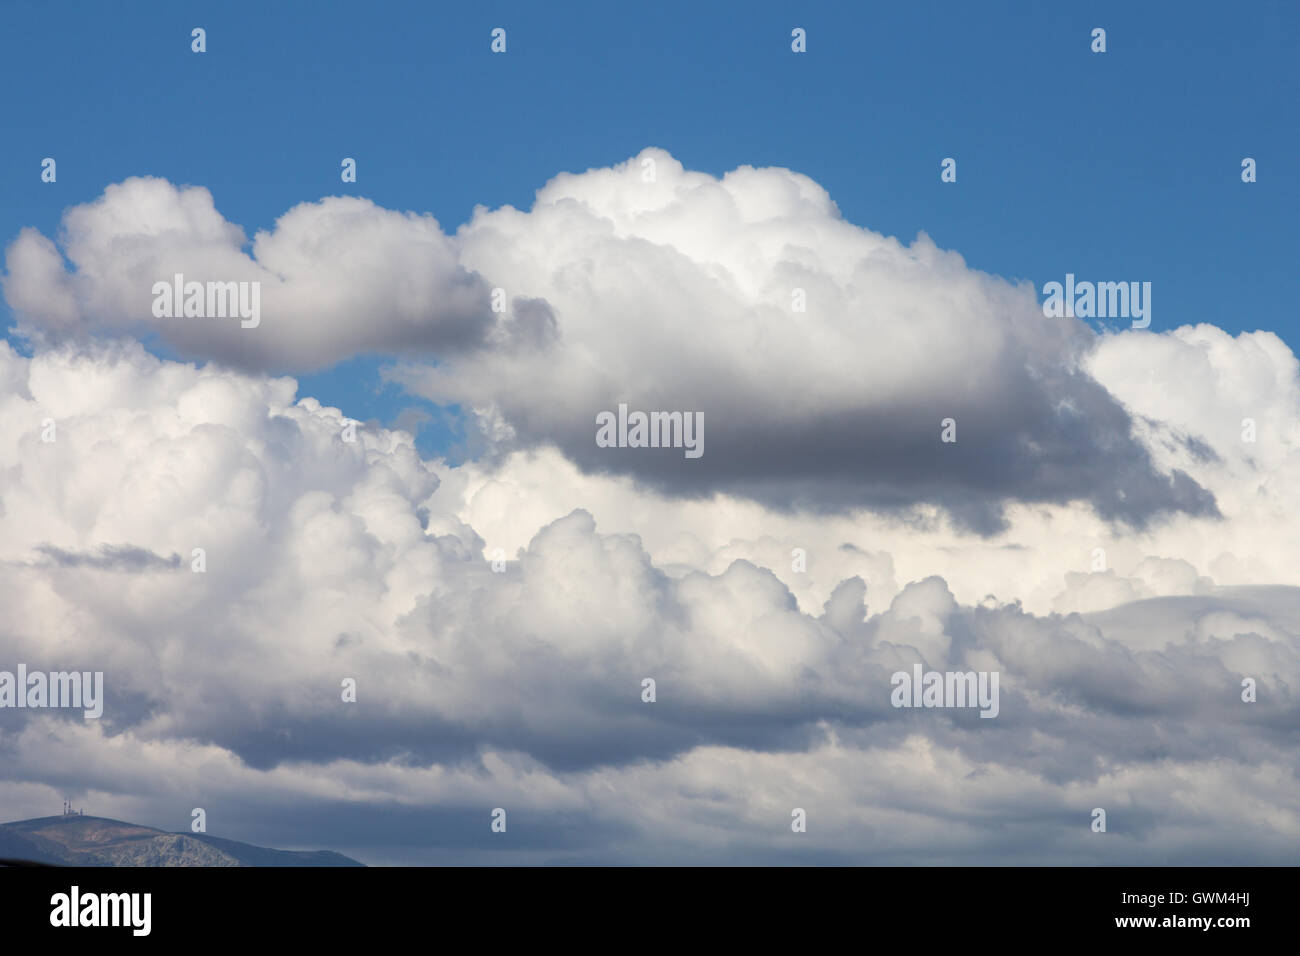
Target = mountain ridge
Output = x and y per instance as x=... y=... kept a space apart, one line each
x=77 y=840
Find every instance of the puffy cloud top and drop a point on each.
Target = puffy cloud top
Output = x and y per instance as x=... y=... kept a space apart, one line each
x=823 y=357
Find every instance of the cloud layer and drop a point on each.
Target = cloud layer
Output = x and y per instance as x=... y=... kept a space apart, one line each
x=522 y=687
x=1112 y=533
x=824 y=358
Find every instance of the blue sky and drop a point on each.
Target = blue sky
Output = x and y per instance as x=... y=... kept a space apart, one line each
x=1117 y=166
